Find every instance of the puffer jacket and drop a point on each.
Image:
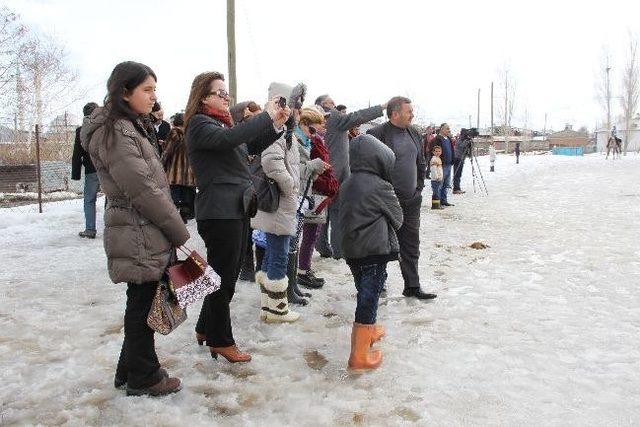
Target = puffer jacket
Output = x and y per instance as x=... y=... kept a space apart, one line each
x=370 y=213
x=281 y=165
x=141 y=221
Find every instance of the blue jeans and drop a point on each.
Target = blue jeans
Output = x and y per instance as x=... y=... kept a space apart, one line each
x=435 y=188
x=276 y=257
x=446 y=183
x=91 y=185
x=369 y=280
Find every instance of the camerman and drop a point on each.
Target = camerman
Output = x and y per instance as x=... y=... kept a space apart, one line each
x=462 y=150
x=337 y=141
x=408 y=181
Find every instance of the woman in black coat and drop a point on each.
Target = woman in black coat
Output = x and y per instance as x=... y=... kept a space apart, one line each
x=226 y=198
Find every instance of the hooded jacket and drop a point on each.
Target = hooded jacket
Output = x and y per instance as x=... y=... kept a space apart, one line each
x=141 y=221
x=370 y=213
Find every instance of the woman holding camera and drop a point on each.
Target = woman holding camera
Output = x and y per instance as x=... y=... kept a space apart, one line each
x=280 y=162
x=226 y=197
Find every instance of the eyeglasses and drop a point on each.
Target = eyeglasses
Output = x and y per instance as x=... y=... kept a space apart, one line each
x=221 y=93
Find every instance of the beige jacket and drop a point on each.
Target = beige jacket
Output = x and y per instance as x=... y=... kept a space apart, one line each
x=141 y=221
x=282 y=166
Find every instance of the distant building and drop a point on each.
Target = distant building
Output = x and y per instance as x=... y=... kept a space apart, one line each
x=568 y=138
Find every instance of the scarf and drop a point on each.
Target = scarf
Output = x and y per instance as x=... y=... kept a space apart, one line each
x=304 y=139
x=223 y=116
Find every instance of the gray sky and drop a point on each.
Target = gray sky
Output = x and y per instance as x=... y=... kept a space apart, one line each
x=361 y=52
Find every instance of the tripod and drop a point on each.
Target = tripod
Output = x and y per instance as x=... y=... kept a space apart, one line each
x=476 y=171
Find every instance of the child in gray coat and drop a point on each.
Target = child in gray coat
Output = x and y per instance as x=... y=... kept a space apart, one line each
x=370 y=216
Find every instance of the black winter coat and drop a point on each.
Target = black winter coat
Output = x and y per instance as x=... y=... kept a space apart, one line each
x=218 y=158
x=80 y=158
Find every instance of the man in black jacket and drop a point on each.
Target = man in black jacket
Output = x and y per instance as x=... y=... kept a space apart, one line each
x=443 y=140
x=79 y=159
x=408 y=181
x=161 y=126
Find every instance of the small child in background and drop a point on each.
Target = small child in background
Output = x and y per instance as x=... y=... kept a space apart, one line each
x=370 y=217
x=492 y=158
x=437 y=175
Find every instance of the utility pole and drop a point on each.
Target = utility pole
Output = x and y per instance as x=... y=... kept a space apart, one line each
x=506 y=112
x=231 y=43
x=478 y=115
x=608 y=103
x=492 y=109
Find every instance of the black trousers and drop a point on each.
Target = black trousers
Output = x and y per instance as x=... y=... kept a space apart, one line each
x=458 y=165
x=409 y=239
x=226 y=241
x=138 y=363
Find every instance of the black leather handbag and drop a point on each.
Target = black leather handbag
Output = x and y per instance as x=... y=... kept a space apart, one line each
x=267 y=190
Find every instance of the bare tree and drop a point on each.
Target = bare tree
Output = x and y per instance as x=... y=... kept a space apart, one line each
x=630 y=88
x=51 y=85
x=507 y=84
x=12 y=33
x=603 y=87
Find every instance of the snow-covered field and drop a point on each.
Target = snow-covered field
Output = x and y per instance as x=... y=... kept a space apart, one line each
x=541 y=328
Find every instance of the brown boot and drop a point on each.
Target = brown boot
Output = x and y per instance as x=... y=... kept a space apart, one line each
x=362 y=357
x=378 y=332
x=231 y=353
x=167 y=385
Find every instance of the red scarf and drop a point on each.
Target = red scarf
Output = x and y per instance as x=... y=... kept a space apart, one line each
x=223 y=116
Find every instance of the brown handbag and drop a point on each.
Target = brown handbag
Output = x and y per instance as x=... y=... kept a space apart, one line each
x=192 y=279
x=165 y=314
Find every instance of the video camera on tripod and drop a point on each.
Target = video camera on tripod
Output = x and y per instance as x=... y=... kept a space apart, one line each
x=465 y=147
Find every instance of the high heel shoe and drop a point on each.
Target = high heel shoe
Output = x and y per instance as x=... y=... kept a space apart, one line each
x=201 y=338
x=231 y=353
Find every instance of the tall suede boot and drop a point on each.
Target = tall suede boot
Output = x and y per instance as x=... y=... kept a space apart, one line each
x=362 y=357
x=264 y=299
x=277 y=304
x=293 y=292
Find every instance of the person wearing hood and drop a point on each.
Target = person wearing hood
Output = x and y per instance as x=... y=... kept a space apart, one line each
x=142 y=225
x=337 y=140
x=281 y=163
x=409 y=173
x=370 y=217
x=226 y=198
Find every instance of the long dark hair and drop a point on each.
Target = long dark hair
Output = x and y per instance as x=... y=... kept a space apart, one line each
x=199 y=90
x=125 y=77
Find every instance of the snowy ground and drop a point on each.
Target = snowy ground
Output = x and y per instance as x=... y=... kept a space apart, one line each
x=542 y=328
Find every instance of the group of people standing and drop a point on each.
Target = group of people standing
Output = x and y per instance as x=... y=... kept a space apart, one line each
x=369 y=185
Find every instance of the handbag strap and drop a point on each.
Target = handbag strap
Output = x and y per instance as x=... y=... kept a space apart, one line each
x=184 y=250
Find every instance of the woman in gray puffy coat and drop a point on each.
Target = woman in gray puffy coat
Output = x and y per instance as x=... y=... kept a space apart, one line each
x=141 y=222
x=281 y=163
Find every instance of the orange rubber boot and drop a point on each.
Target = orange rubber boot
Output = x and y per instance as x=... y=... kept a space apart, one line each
x=378 y=332
x=362 y=357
